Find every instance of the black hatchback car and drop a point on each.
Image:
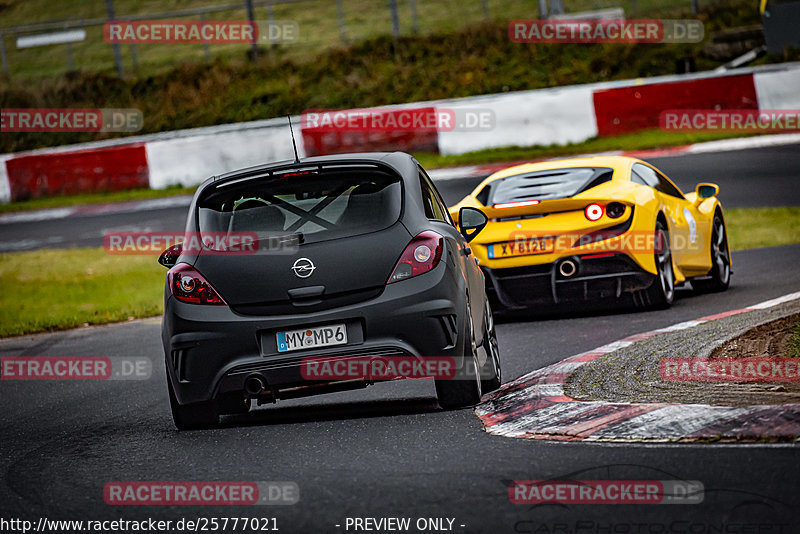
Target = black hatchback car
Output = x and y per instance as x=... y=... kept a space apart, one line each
x=355 y=257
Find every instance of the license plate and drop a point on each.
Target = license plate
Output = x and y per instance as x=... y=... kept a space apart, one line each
x=522 y=247
x=311 y=338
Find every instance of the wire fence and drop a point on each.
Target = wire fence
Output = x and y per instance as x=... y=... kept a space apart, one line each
x=52 y=47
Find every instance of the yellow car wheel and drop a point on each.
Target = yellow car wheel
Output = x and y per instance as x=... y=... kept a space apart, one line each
x=720 y=273
x=661 y=292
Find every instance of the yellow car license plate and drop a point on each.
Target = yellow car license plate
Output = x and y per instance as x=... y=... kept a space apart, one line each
x=522 y=247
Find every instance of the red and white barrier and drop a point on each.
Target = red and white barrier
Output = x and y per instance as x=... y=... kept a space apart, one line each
x=778 y=89
x=629 y=109
x=540 y=117
x=188 y=161
x=82 y=171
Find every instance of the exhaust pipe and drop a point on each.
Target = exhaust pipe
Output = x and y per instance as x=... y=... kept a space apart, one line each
x=567 y=268
x=255 y=385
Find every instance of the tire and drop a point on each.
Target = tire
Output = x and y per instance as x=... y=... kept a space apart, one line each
x=464 y=389
x=661 y=292
x=719 y=277
x=192 y=416
x=491 y=374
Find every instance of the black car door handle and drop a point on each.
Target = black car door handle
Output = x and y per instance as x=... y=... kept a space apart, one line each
x=306 y=292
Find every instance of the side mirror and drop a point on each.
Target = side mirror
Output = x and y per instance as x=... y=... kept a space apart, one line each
x=470 y=222
x=170 y=256
x=704 y=191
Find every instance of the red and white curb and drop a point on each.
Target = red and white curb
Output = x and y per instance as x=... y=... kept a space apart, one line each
x=535 y=406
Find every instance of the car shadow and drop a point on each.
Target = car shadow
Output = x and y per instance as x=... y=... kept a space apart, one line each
x=621 y=306
x=340 y=411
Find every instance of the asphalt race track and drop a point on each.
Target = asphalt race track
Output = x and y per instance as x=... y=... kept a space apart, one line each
x=747 y=178
x=388 y=450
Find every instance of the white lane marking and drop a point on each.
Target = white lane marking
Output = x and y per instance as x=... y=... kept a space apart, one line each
x=680 y=326
x=36 y=215
x=775 y=302
x=742 y=143
x=611 y=347
x=88 y=210
x=26 y=244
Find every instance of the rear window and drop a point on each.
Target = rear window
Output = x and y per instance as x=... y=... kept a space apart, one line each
x=318 y=205
x=543 y=185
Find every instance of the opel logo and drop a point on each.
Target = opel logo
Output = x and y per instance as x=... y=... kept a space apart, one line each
x=303 y=268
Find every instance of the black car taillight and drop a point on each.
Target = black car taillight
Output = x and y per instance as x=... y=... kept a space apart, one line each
x=420 y=256
x=615 y=210
x=187 y=285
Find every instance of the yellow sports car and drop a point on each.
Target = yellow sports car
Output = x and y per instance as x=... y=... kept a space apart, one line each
x=596 y=228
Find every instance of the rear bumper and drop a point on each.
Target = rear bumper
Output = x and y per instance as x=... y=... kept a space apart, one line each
x=211 y=350
x=544 y=284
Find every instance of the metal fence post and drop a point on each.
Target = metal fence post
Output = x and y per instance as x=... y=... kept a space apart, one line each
x=695 y=7
x=115 y=46
x=3 y=53
x=395 y=18
x=542 y=9
x=70 y=59
x=271 y=19
x=252 y=18
x=206 y=49
x=134 y=57
x=485 y=6
x=414 y=18
x=342 y=27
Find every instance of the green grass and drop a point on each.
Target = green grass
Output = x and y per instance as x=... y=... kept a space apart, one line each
x=794 y=342
x=762 y=227
x=58 y=289
x=317 y=19
x=635 y=141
